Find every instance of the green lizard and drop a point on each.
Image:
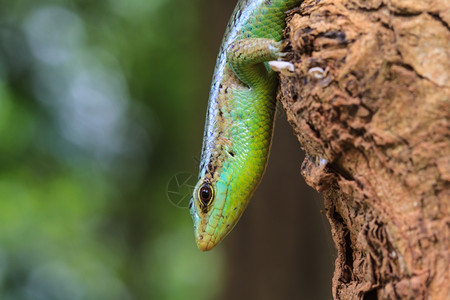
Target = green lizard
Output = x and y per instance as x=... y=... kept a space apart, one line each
x=239 y=120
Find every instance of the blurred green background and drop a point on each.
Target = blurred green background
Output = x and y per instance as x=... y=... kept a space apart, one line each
x=102 y=107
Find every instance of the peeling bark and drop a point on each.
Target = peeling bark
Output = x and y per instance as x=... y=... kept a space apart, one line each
x=370 y=104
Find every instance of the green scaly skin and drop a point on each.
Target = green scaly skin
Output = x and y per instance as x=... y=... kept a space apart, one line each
x=239 y=120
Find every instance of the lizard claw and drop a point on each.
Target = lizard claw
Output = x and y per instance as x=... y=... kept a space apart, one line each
x=284 y=67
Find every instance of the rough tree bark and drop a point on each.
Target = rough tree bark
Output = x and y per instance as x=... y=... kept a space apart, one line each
x=369 y=103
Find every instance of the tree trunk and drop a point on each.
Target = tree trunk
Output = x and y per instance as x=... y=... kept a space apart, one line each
x=369 y=103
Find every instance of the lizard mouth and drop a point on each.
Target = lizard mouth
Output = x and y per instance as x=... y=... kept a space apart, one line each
x=205 y=239
x=202 y=238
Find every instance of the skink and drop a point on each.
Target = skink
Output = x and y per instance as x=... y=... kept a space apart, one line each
x=239 y=119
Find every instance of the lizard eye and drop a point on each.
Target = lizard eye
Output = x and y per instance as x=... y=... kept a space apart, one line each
x=205 y=194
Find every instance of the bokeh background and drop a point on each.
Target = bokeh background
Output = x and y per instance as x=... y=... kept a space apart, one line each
x=102 y=108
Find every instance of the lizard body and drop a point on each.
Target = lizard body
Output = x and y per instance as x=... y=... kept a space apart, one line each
x=239 y=120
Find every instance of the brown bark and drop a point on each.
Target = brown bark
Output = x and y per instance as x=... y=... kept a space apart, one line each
x=369 y=103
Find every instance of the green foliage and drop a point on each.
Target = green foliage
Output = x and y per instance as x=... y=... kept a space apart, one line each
x=96 y=100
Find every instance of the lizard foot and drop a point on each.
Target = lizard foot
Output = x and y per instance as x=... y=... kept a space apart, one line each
x=284 y=67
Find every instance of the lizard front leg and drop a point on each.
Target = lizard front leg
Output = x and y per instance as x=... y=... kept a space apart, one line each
x=248 y=58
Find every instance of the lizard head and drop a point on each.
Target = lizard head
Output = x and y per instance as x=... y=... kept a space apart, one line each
x=215 y=210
